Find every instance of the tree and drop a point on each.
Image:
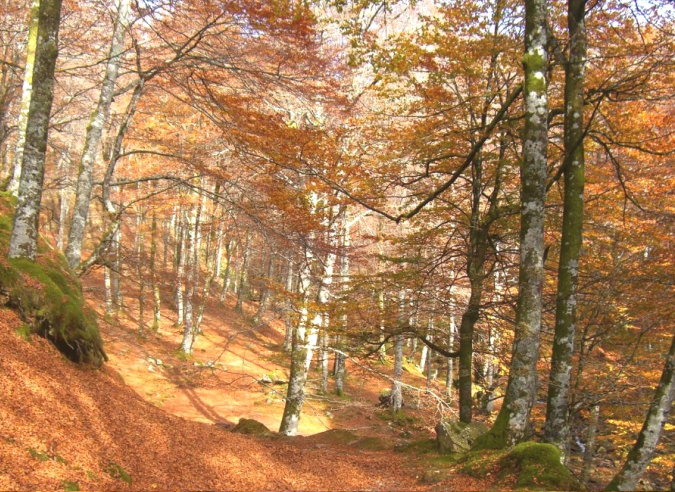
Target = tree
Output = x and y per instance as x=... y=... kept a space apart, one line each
x=512 y=424
x=23 y=241
x=557 y=418
x=78 y=220
x=643 y=450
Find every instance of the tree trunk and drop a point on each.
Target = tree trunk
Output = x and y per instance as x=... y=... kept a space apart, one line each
x=643 y=450
x=512 y=424
x=266 y=292
x=295 y=396
x=589 y=451
x=157 y=299
x=26 y=95
x=243 y=274
x=140 y=239
x=78 y=220
x=23 y=241
x=396 y=388
x=556 y=429
x=288 y=308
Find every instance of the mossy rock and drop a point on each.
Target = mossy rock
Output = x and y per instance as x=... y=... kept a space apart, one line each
x=48 y=297
x=251 y=427
x=536 y=466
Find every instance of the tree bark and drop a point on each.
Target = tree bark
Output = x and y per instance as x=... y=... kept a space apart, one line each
x=512 y=424
x=556 y=429
x=23 y=241
x=26 y=95
x=78 y=220
x=643 y=450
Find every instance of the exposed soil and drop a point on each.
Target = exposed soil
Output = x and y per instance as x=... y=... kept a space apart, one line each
x=149 y=420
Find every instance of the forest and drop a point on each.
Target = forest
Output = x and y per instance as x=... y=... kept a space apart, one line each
x=458 y=216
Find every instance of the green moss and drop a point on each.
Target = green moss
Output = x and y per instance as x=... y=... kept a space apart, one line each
x=422 y=446
x=68 y=485
x=116 y=471
x=479 y=463
x=24 y=331
x=48 y=297
x=38 y=455
x=250 y=426
x=536 y=466
x=495 y=438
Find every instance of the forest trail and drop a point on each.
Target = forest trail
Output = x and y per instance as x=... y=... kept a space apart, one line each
x=146 y=424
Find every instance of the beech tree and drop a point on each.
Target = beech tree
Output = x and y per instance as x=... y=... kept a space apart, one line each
x=23 y=241
x=557 y=419
x=513 y=421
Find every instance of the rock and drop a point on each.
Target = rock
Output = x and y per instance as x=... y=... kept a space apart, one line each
x=266 y=379
x=406 y=434
x=456 y=437
x=250 y=426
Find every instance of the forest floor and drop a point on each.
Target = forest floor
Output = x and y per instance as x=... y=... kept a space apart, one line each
x=153 y=420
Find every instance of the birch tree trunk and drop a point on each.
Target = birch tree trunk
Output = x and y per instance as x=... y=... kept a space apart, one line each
x=23 y=241
x=26 y=94
x=78 y=220
x=643 y=450
x=512 y=423
x=556 y=429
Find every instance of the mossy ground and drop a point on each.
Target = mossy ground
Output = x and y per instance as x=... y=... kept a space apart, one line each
x=48 y=297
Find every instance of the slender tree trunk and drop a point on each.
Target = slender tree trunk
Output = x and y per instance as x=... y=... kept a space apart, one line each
x=78 y=220
x=266 y=292
x=288 y=308
x=451 y=342
x=23 y=241
x=157 y=299
x=323 y=359
x=512 y=424
x=643 y=450
x=227 y=276
x=26 y=95
x=556 y=429
x=140 y=239
x=243 y=274
x=396 y=388
x=181 y=255
x=64 y=198
x=589 y=452
x=295 y=396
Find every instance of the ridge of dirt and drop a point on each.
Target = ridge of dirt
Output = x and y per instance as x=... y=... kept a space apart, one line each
x=68 y=427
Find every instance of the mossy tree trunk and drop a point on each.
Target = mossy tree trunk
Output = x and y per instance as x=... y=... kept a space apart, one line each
x=557 y=427
x=512 y=423
x=85 y=182
x=643 y=450
x=23 y=241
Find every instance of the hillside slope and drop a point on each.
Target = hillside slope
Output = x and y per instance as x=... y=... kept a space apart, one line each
x=64 y=426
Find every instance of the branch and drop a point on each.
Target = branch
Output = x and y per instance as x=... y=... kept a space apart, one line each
x=438 y=349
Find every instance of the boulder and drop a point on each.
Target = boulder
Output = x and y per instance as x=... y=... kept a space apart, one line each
x=250 y=426
x=453 y=436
